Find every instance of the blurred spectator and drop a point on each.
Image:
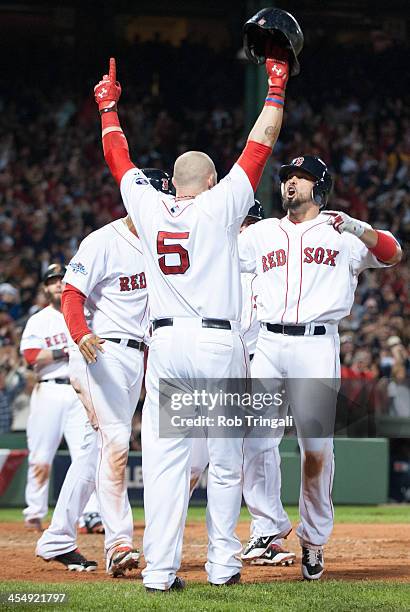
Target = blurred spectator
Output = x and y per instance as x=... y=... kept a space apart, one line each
x=55 y=187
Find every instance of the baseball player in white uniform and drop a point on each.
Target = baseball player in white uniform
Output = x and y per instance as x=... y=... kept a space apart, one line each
x=307 y=265
x=54 y=406
x=106 y=306
x=256 y=465
x=192 y=265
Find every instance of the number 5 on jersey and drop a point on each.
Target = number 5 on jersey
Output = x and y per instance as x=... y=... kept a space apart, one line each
x=175 y=248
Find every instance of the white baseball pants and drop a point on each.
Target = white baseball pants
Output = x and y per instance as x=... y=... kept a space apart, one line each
x=188 y=351
x=109 y=390
x=55 y=410
x=297 y=360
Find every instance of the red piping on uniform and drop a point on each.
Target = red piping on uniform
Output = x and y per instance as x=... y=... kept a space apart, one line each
x=301 y=265
x=287 y=271
x=244 y=356
x=179 y=214
x=250 y=317
x=145 y=310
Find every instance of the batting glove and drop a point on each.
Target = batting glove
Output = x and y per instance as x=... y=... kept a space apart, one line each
x=108 y=91
x=277 y=69
x=343 y=223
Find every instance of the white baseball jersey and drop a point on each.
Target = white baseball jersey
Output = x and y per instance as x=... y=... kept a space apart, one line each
x=191 y=245
x=47 y=329
x=108 y=269
x=249 y=322
x=306 y=271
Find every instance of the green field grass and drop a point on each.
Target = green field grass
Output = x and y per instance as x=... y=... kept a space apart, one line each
x=277 y=597
x=327 y=595
x=388 y=513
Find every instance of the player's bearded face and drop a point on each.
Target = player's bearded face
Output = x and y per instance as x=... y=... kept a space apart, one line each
x=297 y=190
x=54 y=290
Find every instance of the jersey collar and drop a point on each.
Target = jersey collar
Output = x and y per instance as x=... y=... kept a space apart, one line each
x=122 y=229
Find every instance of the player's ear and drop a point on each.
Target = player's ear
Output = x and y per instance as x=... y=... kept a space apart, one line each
x=173 y=182
x=212 y=180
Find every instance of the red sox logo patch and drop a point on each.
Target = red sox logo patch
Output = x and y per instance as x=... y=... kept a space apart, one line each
x=298 y=161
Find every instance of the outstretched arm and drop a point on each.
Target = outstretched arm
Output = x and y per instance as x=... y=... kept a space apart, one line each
x=107 y=93
x=265 y=132
x=382 y=245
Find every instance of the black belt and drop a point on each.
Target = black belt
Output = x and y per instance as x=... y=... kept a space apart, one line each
x=131 y=343
x=294 y=330
x=59 y=381
x=213 y=323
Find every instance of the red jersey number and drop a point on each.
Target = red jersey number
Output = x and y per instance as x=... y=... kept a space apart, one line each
x=166 y=249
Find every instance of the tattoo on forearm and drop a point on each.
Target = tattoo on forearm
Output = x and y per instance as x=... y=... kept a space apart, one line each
x=271 y=131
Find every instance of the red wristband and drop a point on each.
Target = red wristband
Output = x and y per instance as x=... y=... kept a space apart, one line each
x=386 y=247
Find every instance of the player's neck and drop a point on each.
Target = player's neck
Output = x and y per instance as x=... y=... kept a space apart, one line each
x=130 y=226
x=299 y=216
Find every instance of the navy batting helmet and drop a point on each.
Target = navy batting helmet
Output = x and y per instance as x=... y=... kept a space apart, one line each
x=317 y=169
x=159 y=179
x=256 y=211
x=55 y=270
x=277 y=25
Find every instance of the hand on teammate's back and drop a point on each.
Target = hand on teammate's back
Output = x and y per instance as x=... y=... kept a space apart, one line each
x=108 y=91
x=89 y=345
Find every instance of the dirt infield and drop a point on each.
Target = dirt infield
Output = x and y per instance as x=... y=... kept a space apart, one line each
x=355 y=552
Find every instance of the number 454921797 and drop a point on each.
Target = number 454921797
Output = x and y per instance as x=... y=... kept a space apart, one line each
x=28 y=598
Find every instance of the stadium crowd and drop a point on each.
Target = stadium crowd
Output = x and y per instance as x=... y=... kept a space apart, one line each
x=55 y=187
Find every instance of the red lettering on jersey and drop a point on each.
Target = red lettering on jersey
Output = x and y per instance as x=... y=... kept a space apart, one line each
x=265 y=266
x=130 y=283
x=331 y=256
x=48 y=341
x=319 y=255
x=125 y=283
x=134 y=281
x=64 y=338
x=280 y=257
x=56 y=339
x=143 y=281
x=274 y=259
x=271 y=259
x=308 y=255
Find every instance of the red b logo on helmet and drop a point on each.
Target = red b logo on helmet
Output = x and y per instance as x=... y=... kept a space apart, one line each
x=298 y=161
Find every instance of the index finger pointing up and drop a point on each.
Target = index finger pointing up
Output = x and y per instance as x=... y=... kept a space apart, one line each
x=113 y=70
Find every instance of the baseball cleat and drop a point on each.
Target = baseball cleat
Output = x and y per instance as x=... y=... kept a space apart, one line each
x=235 y=579
x=256 y=547
x=123 y=558
x=177 y=585
x=312 y=563
x=34 y=525
x=74 y=561
x=275 y=555
x=92 y=523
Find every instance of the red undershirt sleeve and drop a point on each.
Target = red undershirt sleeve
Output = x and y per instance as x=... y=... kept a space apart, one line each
x=115 y=146
x=30 y=355
x=72 y=306
x=253 y=161
x=386 y=247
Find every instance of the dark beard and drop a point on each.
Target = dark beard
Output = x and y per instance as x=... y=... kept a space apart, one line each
x=54 y=301
x=291 y=204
